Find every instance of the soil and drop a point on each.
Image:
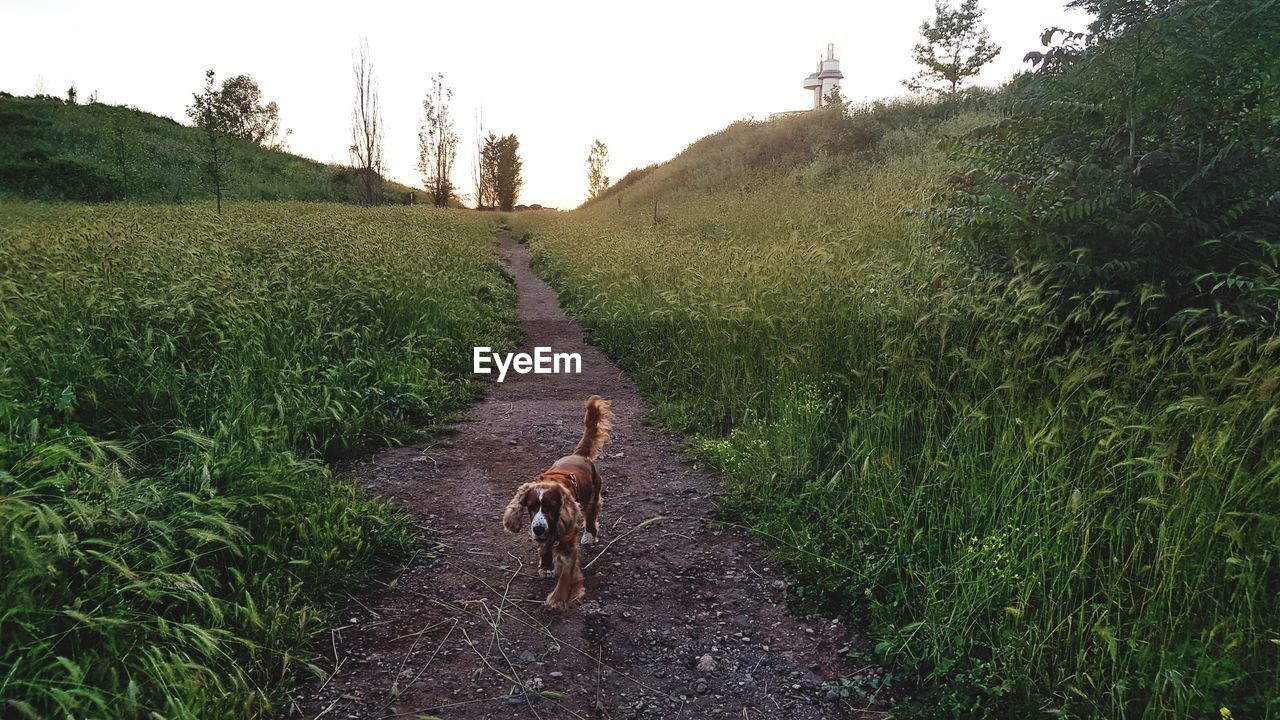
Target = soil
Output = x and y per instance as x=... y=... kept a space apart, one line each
x=683 y=618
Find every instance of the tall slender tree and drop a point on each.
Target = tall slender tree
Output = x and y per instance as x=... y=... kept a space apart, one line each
x=438 y=142
x=366 y=128
x=206 y=112
x=597 y=162
x=487 y=183
x=508 y=169
x=953 y=48
x=483 y=190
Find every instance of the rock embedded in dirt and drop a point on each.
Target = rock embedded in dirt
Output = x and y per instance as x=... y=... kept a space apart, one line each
x=706 y=664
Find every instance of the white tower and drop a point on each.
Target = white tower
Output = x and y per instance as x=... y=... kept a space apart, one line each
x=826 y=78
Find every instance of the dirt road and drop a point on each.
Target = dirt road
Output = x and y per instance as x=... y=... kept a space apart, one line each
x=683 y=618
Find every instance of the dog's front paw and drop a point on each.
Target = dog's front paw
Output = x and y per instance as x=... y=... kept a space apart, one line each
x=561 y=604
x=588 y=539
x=546 y=572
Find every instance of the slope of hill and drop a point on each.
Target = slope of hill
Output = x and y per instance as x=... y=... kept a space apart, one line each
x=50 y=150
x=1040 y=512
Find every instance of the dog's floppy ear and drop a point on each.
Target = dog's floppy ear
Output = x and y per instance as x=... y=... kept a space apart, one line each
x=513 y=516
x=570 y=516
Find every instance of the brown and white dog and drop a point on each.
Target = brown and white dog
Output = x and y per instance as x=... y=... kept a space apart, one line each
x=565 y=496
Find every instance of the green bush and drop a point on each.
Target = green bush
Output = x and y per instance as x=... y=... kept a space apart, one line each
x=1140 y=166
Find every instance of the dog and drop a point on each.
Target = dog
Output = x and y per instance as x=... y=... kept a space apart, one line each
x=562 y=502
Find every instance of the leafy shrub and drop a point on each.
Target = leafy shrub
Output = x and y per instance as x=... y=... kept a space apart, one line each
x=1140 y=166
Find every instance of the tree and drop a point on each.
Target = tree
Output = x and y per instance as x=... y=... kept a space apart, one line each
x=510 y=179
x=71 y=95
x=438 y=142
x=484 y=197
x=206 y=113
x=955 y=47
x=835 y=100
x=366 y=129
x=245 y=115
x=487 y=177
x=239 y=110
x=597 y=160
x=122 y=145
x=500 y=168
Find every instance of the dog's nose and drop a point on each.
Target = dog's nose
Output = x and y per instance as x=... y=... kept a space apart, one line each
x=538 y=530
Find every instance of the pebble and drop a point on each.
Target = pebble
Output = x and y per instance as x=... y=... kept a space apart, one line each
x=528 y=657
x=706 y=664
x=701 y=687
x=556 y=674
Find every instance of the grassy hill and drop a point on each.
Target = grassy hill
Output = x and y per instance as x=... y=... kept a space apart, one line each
x=50 y=150
x=1043 y=507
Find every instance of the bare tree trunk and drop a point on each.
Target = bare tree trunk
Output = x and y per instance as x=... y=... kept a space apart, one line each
x=366 y=128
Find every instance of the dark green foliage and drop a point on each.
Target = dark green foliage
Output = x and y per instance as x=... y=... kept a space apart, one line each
x=1139 y=167
x=509 y=172
x=53 y=151
x=236 y=109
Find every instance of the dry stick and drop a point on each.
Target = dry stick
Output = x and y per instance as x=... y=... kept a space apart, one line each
x=643 y=524
x=332 y=675
x=429 y=708
x=496 y=622
x=599 y=679
x=532 y=624
x=421 y=632
x=326 y=710
x=756 y=531
x=366 y=607
x=431 y=659
x=394 y=690
x=502 y=601
x=433 y=460
x=514 y=678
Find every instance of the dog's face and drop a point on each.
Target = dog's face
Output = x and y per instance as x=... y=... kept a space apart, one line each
x=551 y=511
x=544 y=506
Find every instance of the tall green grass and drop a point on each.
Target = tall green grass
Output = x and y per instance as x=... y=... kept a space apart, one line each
x=169 y=379
x=1042 y=517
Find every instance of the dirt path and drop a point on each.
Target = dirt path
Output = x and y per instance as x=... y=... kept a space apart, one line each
x=457 y=638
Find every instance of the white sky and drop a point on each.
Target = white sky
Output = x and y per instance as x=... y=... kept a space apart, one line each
x=647 y=78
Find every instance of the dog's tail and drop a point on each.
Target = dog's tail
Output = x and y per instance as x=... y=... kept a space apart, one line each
x=598 y=421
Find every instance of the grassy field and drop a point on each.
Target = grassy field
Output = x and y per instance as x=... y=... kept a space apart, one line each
x=169 y=380
x=50 y=150
x=1041 y=520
